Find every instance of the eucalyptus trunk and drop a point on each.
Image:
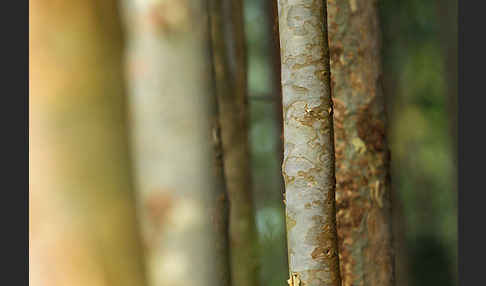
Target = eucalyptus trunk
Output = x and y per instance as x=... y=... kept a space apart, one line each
x=363 y=191
x=229 y=56
x=308 y=164
x=82 y=226
x=177 y=142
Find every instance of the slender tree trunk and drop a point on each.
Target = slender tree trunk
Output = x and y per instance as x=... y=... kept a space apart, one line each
x=276 y=78
x=272 y=18
x=229 y=55
x=362 y=157
x=308 y=166
x=179 y=160
x=83 y=228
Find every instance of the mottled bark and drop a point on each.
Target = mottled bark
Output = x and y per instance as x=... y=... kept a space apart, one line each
x=178 y=147
x=308 y=166
x=362 y=159
x=229 y=55
x=82 y=225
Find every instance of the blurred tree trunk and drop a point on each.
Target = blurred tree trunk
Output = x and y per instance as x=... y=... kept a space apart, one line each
x=447 y=12
x=82 y=225
x=363 y=193
x=400 y=249
x=272 y=18
x=276 y=71
x=177 y=141
x=308 y=166
x=229 y=55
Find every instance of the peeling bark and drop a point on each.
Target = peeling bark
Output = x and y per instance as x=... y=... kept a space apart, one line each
x=82 y=224
x=308 y=166
x=178 y=144
x=229 y=56
x=363 y=198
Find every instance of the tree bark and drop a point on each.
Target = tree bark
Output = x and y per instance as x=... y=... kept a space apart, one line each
x=308 y=166
x=177 y=140
x=362 y=158
x=82 y=225
x=229 y=56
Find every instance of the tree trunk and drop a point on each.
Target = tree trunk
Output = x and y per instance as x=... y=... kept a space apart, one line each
x=82 y=225
x=179 y=169
x=272 y=18
x=363 y=199
x=229 y=55
x=308 y=166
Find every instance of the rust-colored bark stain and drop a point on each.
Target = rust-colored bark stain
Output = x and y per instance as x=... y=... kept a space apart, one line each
x=372 y=128
x=157 y=205
x=169 y=16
x=362 y=185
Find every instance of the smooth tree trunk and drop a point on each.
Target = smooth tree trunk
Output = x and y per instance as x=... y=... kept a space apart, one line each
x=308 y=164
x=363 y=191
x=229 y=56
x=184 y=204
x=82 y=226
x=272 y=18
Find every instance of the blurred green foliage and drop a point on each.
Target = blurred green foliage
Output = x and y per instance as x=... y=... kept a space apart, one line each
x=423 y=169
x=264 y=136
x=423 y=164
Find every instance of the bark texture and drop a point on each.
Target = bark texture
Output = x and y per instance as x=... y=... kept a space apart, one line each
x=308 y=166
x=82 y=225
x=363 y=199
x=229 y=56
x=177 y=141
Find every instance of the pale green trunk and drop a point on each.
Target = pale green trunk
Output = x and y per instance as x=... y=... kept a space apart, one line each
x=179 y=171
